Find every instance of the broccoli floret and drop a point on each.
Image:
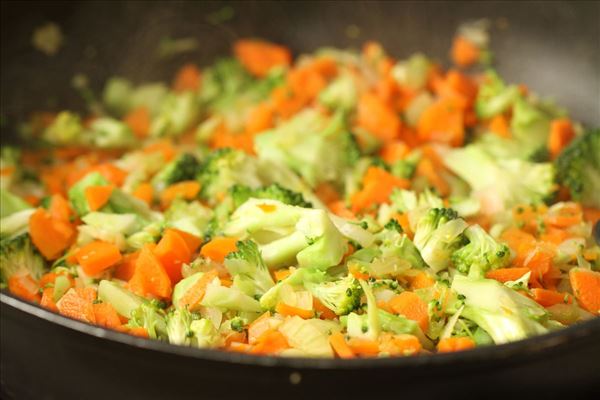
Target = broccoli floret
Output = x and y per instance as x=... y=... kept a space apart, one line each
x=369 y=327
x=341 y=296
x=191 y=217
x=110 y=133
x=494 y=97
x=149 y=234
x=305 y=141
x=438 y=235
x=177 y=113
x=225 y=168
x=10 y=203
x=288 y=233
x=502 y=184
x=229 y=298
x=482 y=252
x=18 y=256
x=150 y=317
x=393 y=225
x=65 y=129
x=578 y=168
x=340 y=94
x=182 y=168
x=248 y=262
x=178 y=327
x=241 y=193
x=301 y=276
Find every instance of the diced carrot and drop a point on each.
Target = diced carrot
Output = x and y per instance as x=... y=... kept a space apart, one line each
x=363 y=347
x=51 y=236
x=561 y=134
x=378 y=184
x=125 y=269
x=520 y=242
x=554 y=235
x=442 y=122
x=218 y=248
x=47 y=300
x=270 y=342
x=138 y=120
x=499 y=126
x=32 y=199
x=139 y=331
x=238 y=337
x=586 y=286
x=260 y=118
x=453 y=344
x=239 y=347
x=59 y=208
x=549 y=298
x=539 y=261
x=339 y=208
x=290 y=311
x=327 y=193
x=591 y=215
x=394 y=151
x=191 y=241
x=112 y=173
x=144 y=192
x=98 y=196
x=568 y=215
x=378 y=118
x=150 y=277
x=425 y=168
x=187 y=190
x=172 y=252
x=97 y=256
x=421 y=280
x=106 y=315
x=412 y=307
x=77 y=304
x=259 y=326
x=188 y=78
x=24 y=286
x=285 y=102
x=164 y=147
x=339 y=345
x=402 y=219
x=506 y=274
x=464 y=52
x=403 y=344
x=324 y=312
x=281 y=274
x=259 y=56
x=192 y=298
x=306 y=82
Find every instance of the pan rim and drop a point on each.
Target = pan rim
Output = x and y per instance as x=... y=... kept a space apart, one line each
x=529 y=347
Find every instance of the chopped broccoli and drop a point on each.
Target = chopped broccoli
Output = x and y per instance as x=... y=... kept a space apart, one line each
x=502 y=184
x=248 y=262
x=341 y=296
x=340 y=94
x=502 y=312
x=305 y=141
x=150 y=317
x=110 y=133
x=275 y=191
x=182 y=168
x=370 y=327
x=482 y=252
x=177 y=113
x=11 y=203
x=65 y=129
x=205 y=333
x=18 y=256
x=149 y=234
x=178 y=327
x=191 y=217
x=301 y=276
x=494 y=97
x=578 y=168
x=229 y=298
x=287 y=233
x=438 y=235
x=225 y=168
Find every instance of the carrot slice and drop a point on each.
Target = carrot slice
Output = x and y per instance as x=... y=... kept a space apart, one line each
x=144 y=192
x=378 y=118
x=506 y=274
x=97 y=256
x=187 y=190
x=218 y=248
x=412 y=307
x=404 y=345
x=191 y=241
x=78 y=304
x=464 y=52
x=98 y=196
x=59 y=208
x=150 y=277
x=50 y=235
x=24 y=286
x=442 y=122
x=192 y=298
x=339 y=345
x=499 y=126
x=452 y=344
x=378 y=184
x=126 y=268
x=324 y=312
x=138 y=120
x=106 y=315
x=172 y=251
x=270 y=342
x=363 y=347
x=549 y=298
x=47 y=300
x=586 y=286
x=421 y=280
x=259 y=56
x=188 y=78
x=561 y=134
x=290 y=311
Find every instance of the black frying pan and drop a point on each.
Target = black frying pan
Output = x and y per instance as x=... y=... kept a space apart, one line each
x=553 y=47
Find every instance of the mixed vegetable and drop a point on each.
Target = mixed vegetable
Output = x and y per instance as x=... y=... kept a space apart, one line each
x=345 y=204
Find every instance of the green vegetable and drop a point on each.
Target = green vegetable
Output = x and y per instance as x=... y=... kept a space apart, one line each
x=183 y=286
x=341 y=296
x=11 y=203
x=275 y=191
x=247 y=262
x=482 y=252
x=18 y=256
x=15 y=224
x=191 y=217
x=340 y=94
x=77 y=191
x=123 y=301
x=230 y=298
x=177 y=114
x=494 y=96
x=300 y=277
x=307 y=335
x=183 y=168
x=150 y=317
x=65 y=129
x=110 y=133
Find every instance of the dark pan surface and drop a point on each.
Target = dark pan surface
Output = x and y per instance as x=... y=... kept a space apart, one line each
x=551 y=46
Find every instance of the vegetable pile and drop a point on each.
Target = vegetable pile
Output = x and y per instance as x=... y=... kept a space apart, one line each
x=345 y=204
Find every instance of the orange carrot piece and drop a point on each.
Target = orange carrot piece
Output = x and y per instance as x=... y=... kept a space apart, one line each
x=506 y=274
x=106 y=315
x=327 y=193
x=239 y=347
x=270 y=342
x=98 y=196
x=218 y=248
x=138 y=120
x=164 y=147
x=77 y=304
x=139 y=331
x=394 y=151
x=421 y=280
x=363 y=347
x=453 y=344
x=59 y=208
x=442 y=122
x=324 y=312
x=290 y=311
x=172 y=252
x=25 y=287
x=549 y=298
x=586 y=286
x=591 y=215
x=150 y=277
x=568 y=215
x=339 y=208
x=378 y=118
x=97 y=256
x=281 y=274
x=426 y=169
x=260 y=118
x=51 y=236
x=192 y=298
x=191 y=241
x=464 y=53
x=188 y=78
x=126 y=268
x=47 y=300
x=259 y=56
x=112 y=173
x=339 y=345
x=412 y=307
x=561 y=134
x=187 y=190
x=378 y=184
x=404 y=345
x=144 y=192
